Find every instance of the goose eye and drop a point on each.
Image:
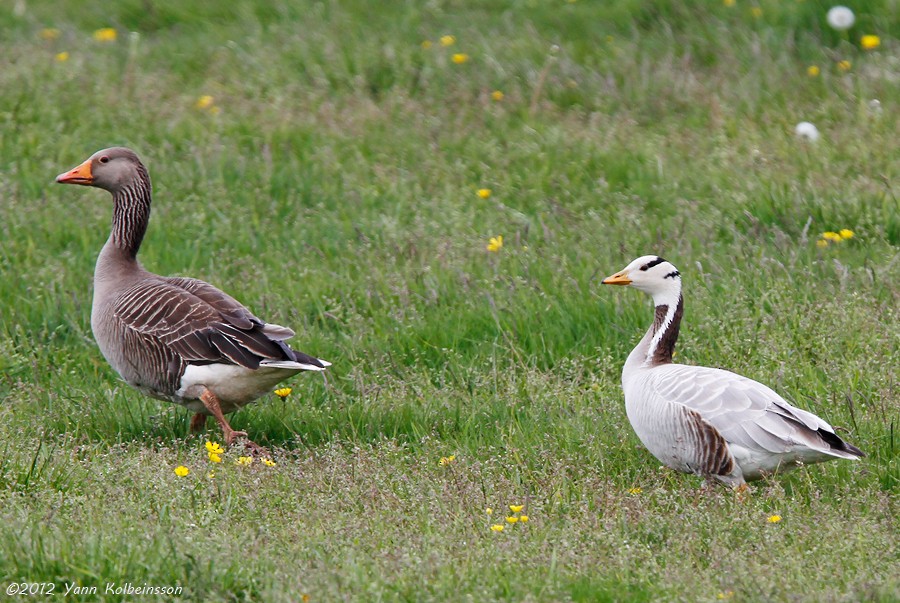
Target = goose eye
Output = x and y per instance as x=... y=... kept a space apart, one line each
x=104 y=159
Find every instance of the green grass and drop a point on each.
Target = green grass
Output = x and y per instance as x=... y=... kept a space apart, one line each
x=335 y=193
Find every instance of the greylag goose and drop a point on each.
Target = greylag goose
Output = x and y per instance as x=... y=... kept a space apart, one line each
x=708 y=421
x=174 y=338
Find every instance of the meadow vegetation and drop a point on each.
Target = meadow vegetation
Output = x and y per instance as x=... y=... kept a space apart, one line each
x=321 y=162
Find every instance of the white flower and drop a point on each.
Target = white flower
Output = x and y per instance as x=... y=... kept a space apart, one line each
x=840 y=18
x=875 y=106
x=807 y=131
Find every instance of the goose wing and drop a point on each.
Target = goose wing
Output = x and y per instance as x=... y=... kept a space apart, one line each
x=201 y=324
x=744 y=411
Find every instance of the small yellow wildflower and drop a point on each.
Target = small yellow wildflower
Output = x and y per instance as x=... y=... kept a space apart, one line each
x=62 y=57
x=181 y=471
x=106 y=34
x=495 y=244
x=844 y=65
x=204 y=102
x=523 y=518
x=244 y=461
x=489 y=511
x=832 y=236
x=725 y=595
x=821 y=243
x=728 y=2
x=283 y=392
x=484 y=193
x=870 y=42
x=50 y=33
x=846 y=233
x=812 y=71
x=756 y=12
x=211 y=475
x=268 y=462
x=446 y=460
x=512 y=519
x=634 y=491
x=516 y=508
x=497 y=527
x=448 y=40
x=774 y=518
x=459 y=58
x=426 y=44
x=214 y=447
x=214 y=457
x=497 y=95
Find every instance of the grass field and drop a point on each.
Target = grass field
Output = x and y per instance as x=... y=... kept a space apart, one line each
x=330 y=183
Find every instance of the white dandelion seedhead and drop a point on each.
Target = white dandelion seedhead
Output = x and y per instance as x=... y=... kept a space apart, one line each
x=840 y=18
x=807 y=131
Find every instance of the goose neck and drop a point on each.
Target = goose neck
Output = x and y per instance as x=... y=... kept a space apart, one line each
x=131 y=214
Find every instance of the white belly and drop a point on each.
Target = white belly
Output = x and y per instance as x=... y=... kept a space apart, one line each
x=234 y=386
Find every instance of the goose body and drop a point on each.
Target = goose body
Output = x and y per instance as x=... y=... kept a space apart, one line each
x=709 y=421
x=174 y=338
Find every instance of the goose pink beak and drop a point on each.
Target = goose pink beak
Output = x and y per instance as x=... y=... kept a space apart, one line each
x=77 y=175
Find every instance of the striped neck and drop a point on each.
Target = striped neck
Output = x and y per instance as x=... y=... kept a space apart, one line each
x=663 y=333
x=131 y=213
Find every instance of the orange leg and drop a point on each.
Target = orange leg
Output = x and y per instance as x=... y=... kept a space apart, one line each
x=198 y=422
x=211 y=402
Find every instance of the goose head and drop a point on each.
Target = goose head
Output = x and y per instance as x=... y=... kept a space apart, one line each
x=111 y=169
x=652 y=275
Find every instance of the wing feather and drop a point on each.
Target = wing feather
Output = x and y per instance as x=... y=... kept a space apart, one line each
x=201 y=324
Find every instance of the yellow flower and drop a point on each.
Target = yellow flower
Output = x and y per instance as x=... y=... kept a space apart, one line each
x=725 y=595
x=756 y=12
x=106 y=34
x=497 y=95
x=214 y=457
x=516 y=508
x=489 y=511
x=728 y=2
x=832 y=236
x=512 y=519
x=448 y=40
x=62 y=57
x=50 y=33
x=181 y=471
x=844 y=65
x=870 y=42
x=268 y=462
x=426 y=44
x=497 y=527
x=214 y=447
x=446 y=460
x=846 y=233
x=204 y=102
x=244 y=461
x=211 y=475
x=459 y=58
x=821 y=243
x=523 y=518
x=495 y=243
x=484 y=193
x=634 y=491
x=812 y=70
x=774 y=518
x=283 y=392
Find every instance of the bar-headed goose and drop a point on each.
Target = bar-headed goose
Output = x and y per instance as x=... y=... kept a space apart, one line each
x=174 y=338
x=709 y=421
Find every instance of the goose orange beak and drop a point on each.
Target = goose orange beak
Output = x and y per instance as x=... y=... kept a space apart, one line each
x=619 y=278
x=77 y=175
